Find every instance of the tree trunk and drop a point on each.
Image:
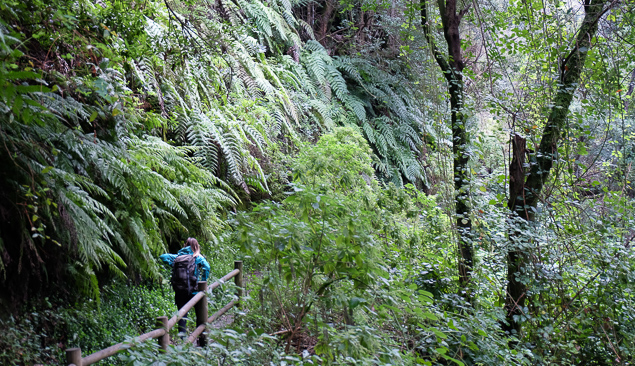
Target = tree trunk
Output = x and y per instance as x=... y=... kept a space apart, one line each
x=452 y=69
x=516 y=288
x=631 y=86
x=525 y=192
x=325 y=20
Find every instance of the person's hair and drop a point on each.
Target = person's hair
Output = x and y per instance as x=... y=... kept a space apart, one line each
x=193 y=244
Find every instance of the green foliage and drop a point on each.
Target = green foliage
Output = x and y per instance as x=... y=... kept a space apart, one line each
x=127 y=127
x=32 y=337
x=318 y=237
x=143 y=129
x=41 y=334
x=123 y=311
x=344 y=262
x=82 y=180
x=230 y=346
x=340 y=161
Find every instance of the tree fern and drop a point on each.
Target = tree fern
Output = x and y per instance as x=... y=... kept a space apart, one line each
x=146 y=148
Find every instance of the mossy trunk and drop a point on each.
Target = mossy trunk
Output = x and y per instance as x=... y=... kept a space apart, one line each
x=452 y=69
x=525 y=192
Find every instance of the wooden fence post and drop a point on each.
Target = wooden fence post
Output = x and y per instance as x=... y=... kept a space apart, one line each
x=201 y=312
x=164 y=340
x=238 y=280
x=74 y=356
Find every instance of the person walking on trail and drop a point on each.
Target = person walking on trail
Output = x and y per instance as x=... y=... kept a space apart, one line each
x=185 y=273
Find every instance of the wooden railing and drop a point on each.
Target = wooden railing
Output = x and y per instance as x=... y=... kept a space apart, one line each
x=199 y=302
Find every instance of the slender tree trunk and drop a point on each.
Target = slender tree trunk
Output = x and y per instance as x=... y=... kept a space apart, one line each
x=516 y=288
x=524 y=191
x=631 y=86
x=452 y=69
x=325 y=20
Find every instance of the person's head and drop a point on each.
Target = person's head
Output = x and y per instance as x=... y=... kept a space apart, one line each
x=193 y=244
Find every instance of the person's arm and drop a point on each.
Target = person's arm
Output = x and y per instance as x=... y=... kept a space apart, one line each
x=167 y=259
x=201 y=261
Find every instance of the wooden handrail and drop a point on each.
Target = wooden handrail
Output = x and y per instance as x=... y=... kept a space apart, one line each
x=185 y=309
x=190 y=304
x=217 y=314
x=74 y=355
x=107 y=352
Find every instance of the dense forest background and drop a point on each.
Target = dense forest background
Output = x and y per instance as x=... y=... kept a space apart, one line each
x=407 y=183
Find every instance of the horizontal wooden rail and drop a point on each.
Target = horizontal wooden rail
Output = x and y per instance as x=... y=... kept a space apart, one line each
x=225 y=278
x=105 y=353
x=216 y=315
x=74 y=355
x=185 y=309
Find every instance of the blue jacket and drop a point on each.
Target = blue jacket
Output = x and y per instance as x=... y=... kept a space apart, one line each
x=168 y=259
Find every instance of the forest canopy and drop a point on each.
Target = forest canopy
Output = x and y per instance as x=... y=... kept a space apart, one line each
x=407 y=182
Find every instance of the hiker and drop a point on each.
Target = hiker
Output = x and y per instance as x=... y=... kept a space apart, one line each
x=185 y=273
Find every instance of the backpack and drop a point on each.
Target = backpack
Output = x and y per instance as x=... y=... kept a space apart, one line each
x=184 y=274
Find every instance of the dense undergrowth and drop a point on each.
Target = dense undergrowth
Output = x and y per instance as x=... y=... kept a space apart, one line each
x=134 y=127
x=311 y=147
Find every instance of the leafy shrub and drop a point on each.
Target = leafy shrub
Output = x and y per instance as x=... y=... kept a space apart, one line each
x=33 y=337
x=229 y=347
x=124 y=311
x=340 y=162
